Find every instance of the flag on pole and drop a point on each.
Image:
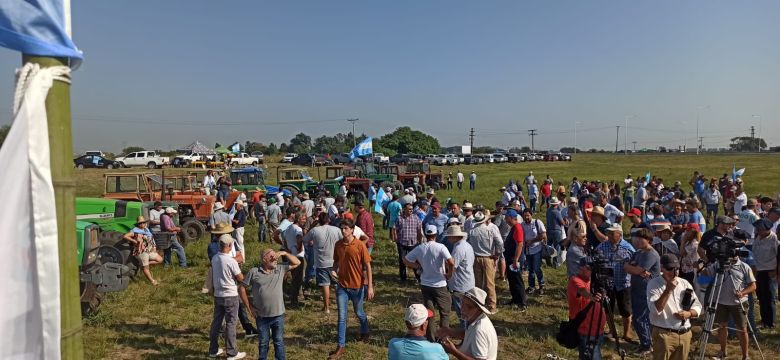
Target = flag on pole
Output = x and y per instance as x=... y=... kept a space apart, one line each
x=235 y=148
x=40 y=27
x=363 y=148
x=380 y=196
x=30 y=294
x=647 y=178
x=736 y=173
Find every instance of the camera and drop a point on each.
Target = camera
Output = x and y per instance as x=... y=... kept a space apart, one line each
x=725 y=248
x=602 y=272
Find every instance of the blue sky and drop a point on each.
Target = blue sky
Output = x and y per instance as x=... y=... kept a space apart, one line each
x=161 y=74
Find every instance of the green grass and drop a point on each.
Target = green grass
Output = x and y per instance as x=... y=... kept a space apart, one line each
x=172 y=320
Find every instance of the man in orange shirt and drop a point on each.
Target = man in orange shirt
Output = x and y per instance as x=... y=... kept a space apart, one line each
x=591 y=330
x=352 y=268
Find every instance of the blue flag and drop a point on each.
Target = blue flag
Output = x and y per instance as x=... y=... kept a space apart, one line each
x=647 y=178
x=235 y=148
x=37 y=27
x=363 y=148
x=736 y=173
x=380 y=196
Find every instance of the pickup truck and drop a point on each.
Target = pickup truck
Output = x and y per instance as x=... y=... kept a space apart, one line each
x=259 y=156
x=380 y=158
x=188 y=158
x=244 y=159
x=288 y=157
x=143 y=158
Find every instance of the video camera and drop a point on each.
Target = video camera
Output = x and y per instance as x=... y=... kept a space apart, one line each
x=724 y=248
x=603 y=274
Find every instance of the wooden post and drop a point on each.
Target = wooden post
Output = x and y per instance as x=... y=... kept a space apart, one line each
x=61 y=150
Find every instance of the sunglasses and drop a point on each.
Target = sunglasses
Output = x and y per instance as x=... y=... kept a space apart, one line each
x=670 y=269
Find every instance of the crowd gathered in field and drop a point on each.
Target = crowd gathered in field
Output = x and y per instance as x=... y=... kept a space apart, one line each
x=638 y=248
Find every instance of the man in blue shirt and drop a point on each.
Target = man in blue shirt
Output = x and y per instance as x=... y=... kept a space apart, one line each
x=436 y=218
x=555 y=229
x=414 y=346
x=618 y=252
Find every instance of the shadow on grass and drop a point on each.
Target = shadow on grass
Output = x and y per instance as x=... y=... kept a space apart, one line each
x=157 y=342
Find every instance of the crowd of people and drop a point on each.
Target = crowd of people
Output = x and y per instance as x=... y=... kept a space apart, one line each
x=457 y=251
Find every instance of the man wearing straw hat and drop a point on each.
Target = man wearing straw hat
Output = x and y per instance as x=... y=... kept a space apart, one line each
x=487 y=247
x=555 y=232
x=480 y=340
x=462 y=279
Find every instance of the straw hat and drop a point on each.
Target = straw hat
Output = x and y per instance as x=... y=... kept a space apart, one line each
x=455 y=231
x=597 y=210
x=140 y=220
x=478 y=296
x=479 y=217
x=222 y=228
x=218 y=206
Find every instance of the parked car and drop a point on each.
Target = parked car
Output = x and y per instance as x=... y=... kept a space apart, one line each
x=439 y=160
x=340 y=159
x=380 y=158
x=452 y=159
x=95 y=161
x=244 y=159
x=311 y=159
x=288 y=157
x=488 y=158
x=94 y=152
x=143 y=158
x=534 y=157
x=500 y=158
x=564 y=157
x=550 y=156
x=401 y=159
x=259 y=155
x=515 y=158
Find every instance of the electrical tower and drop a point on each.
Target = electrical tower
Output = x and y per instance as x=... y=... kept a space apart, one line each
x=471 y=140
x=701 y=144
x=753 y=136
x=532 y=133
x=617 y=135
x=634 y=142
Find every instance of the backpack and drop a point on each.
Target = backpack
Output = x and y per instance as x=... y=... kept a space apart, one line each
x=567 y=335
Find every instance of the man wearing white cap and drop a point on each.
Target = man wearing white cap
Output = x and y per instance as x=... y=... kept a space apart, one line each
x=414 y=346
x=167 y=225
x=480 y=340
x=436 y=265
x=468 y=213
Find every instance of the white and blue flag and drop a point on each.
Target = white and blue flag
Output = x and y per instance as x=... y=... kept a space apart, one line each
x=380 y=195
x=37 y=27
x=235 y=148
x=365 y=147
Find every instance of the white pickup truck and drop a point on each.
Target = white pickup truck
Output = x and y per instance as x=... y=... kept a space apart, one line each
x=186 y=159
x=244 y=159
x=143 y=158
x=380 y=158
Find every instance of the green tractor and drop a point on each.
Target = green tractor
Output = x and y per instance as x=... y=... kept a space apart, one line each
x=97 y=273
x=381 y=175
x=298 y=179
x=115 y=218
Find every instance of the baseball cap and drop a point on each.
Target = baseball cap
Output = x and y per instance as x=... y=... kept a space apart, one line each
x=763 y=224
x=670 y=261
x=615 y=227
x=417 y=314
x=453 y=220
x=511 y=213
x=634 y=212
x=723 y=219
x=431 y=230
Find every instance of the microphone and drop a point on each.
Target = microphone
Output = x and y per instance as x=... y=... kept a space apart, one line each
x=687 y=302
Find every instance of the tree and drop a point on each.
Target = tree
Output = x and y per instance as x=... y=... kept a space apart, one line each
x=405 y=140
x=3 y=133
x=747 y=143
x=272 y=149
x=283 y=148
x=130 y=149
x=569 y=150
x=300 y=144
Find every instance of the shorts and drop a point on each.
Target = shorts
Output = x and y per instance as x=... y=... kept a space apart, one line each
x=621 y=298
x=145 y=257
x=712 y=208
x=734 y=312
x=323 y=276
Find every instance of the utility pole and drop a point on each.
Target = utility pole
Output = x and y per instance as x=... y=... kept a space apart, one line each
x=759 y=130
x=532 y=133
x=753 y=135
x=701 y=145
x=354 y=137
x=634 y=142
x=471 y=140
x=617 y=136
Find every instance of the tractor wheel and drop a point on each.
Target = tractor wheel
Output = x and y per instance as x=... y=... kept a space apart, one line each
x=397 y=185
x=436 y=185
x=90 y=299
x=120 y=165
x=110 y=166
x=151 y=165
x=80 y=166
x=192 y=230
x=114 y=240
x=359 y=196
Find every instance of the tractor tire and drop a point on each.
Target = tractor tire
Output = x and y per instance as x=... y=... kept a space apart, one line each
x=90 y=299
x=398 y=186
x=151 y=165
x=110 y=166
x=121 y=165
x=114 y=239
x=192 y=230
x=359 y=196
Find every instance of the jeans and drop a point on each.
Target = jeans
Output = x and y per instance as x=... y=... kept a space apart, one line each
x=403 y=250
x=175 y=246
x=766 y=298
x=596 y=354
x=273 y=326
x=457 y=302
x=460 y=185
x=342 y=297
x=472 y=185
x=640 y=315
x=296 y=281
x=533 y=204
x=535 y=268
x=554 y=239
x=249 y=328
x=225 y=309
x=628 y=203
x=222 y=195
x=261 y=231
x=310 y=273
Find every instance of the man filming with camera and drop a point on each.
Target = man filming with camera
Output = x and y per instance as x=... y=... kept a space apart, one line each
x=737 y=284
x=672 y=302
x=618 y=252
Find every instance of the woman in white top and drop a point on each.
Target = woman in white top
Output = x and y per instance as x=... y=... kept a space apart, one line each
x=209 y=182
x=689 y=255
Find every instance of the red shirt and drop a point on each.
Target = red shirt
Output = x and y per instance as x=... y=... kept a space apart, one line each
x=577 y=303
x=366 y=223
x=546 y=189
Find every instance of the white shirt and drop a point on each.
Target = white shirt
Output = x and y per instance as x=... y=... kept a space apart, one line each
x=666 y=318
x=612 y=213
x=627 y=181
x=308 y=206
x=460 y=177
x=473 y=177
x=480 y=340
x=280 y=199
x=223 y=271
x=154 y=215
x=290 y=236
x=432 y=256
x=739 y=202
x=506 y=198
x=529 y=232
x=208 y=181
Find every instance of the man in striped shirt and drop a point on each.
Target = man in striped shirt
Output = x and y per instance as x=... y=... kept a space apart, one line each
x=407 y=234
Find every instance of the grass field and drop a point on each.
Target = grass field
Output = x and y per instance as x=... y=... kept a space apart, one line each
x=171 y=321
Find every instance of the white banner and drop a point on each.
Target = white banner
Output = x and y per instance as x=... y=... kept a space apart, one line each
x=30 y=285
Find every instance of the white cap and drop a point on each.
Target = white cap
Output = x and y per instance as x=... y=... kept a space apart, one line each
x=417 y=314
x=431 y=230
x=430 y=191
x=170 y=210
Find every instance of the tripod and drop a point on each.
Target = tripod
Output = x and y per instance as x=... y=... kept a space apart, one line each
x=712 y=297
x=589 y=353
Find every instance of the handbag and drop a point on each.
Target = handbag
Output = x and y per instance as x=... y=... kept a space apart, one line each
x=568 y=336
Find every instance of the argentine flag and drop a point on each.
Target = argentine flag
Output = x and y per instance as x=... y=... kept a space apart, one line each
x=235 y=148
x=363 y=148
x=39 y=27
x=380 y=195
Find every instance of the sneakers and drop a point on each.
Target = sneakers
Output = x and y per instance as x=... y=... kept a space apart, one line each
x=522 y=309
x=219 y=352
x=239 y=355
x=251 y=334
x=530 y=291
x=644 y=351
